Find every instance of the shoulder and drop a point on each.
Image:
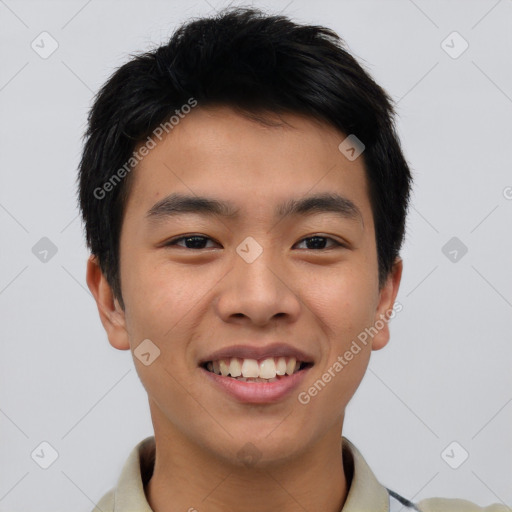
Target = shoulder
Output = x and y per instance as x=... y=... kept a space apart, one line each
x=399 y=503
x=457 y=505
x=106 y=503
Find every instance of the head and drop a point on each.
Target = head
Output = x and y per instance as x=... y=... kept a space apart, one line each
x=248 y=111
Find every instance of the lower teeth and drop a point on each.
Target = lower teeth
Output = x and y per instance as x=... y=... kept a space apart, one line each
x=256 y=379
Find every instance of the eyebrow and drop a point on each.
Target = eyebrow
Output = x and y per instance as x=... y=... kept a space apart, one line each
x=178 y=204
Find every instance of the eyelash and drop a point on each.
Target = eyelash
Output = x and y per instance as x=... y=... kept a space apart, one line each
x=187 y=237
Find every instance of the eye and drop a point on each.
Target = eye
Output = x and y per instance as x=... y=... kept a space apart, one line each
x=191 y=241
x=319 y=242
x=198 y=242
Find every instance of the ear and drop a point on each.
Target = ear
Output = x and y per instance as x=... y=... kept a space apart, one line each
x=387 y=296
x=111 y=314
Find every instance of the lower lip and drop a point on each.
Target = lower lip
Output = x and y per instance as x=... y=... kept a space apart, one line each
x=257 y=392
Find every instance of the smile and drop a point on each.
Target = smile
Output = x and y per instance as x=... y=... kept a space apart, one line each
x=253 y=381
x=268 y=370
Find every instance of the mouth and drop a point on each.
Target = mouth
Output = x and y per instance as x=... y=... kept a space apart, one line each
x=256 y=381
x=267 y=370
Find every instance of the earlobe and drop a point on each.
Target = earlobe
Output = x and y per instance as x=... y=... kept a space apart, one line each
x=386 y=306
x=111 y=314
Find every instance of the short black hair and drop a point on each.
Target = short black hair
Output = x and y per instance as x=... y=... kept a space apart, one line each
x=256 y=63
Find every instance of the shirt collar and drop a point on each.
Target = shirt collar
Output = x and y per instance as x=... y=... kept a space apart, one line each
x=365 y=492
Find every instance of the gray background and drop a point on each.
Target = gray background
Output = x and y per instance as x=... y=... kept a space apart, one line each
x=444 y=377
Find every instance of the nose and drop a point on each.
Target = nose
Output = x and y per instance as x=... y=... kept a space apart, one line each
x=258 y=292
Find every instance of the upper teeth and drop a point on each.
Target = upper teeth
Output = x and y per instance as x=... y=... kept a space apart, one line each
x=266 y=369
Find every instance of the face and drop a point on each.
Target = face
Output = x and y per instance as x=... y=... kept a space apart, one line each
x=196 y=282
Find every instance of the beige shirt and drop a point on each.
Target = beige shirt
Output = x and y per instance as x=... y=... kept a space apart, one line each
x=365 y=493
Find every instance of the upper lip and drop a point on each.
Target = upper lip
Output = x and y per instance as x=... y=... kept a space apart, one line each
x=258 y=352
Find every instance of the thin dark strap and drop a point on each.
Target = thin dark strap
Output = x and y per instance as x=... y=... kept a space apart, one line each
x=405 y=502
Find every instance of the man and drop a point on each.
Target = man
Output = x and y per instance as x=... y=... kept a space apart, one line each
x=244 y=196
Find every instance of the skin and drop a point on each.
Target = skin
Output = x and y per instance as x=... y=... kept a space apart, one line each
x=190 y=302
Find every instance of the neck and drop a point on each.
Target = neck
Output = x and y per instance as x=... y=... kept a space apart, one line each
x=189 y=477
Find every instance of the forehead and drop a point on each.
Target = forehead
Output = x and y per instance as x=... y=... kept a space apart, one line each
x=217 y=152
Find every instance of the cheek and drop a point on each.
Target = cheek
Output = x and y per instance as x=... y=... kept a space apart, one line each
x=165 y=304
x=161 y=308
x=344 y=305
x=343 y=300
x=157 y=294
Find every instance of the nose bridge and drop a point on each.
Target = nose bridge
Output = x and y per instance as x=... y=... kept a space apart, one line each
x=253 y=264
x=257 y=269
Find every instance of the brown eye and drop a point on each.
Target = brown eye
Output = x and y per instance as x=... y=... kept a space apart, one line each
x=319 y=242
x=191 y=241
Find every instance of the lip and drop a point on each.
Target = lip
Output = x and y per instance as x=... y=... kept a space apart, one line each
x=257 y=392
x=258 y=353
